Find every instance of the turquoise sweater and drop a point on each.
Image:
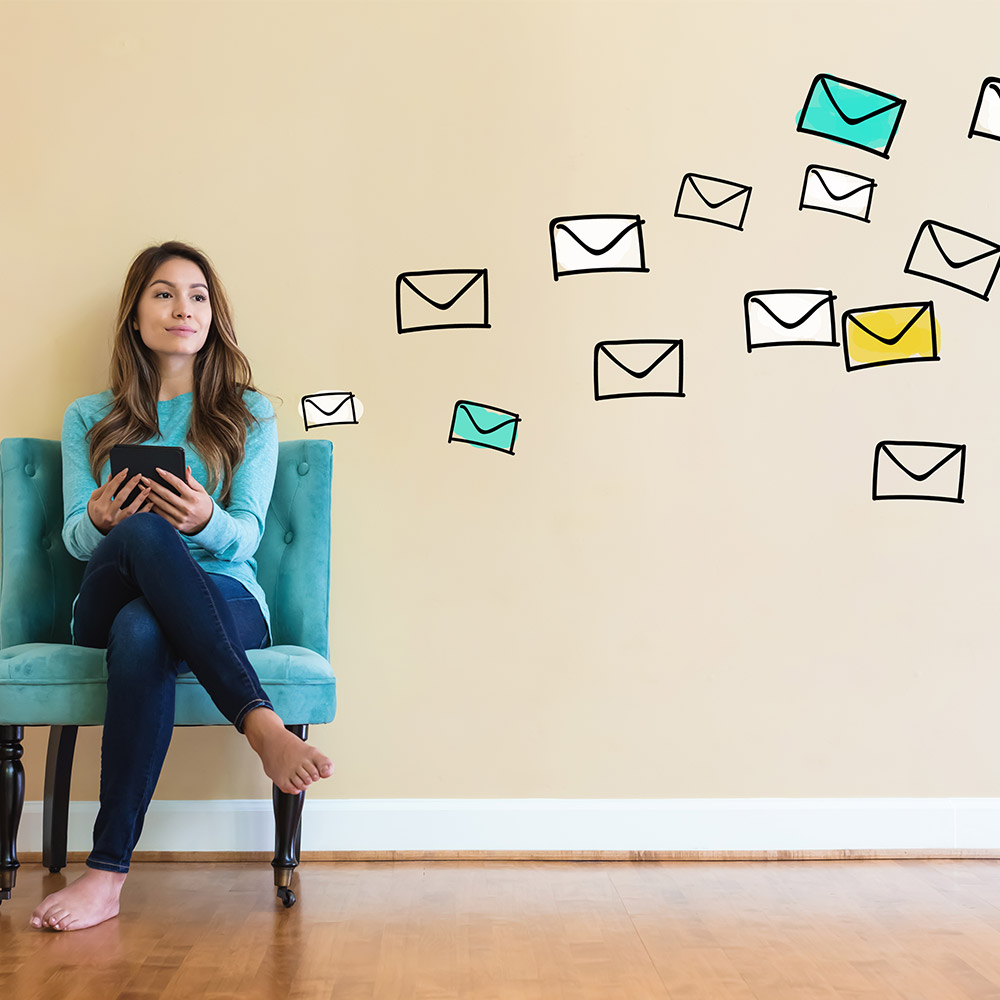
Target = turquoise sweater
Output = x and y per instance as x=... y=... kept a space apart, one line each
x=228 y=542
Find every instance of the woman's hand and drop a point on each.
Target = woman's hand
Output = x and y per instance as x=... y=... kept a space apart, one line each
x=106 y=512
x=189 y=512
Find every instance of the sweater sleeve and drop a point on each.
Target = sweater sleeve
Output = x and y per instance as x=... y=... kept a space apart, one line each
x=79 y=534
x=233 y=534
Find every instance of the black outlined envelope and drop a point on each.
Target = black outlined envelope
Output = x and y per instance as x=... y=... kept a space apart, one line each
x=789 y=316
x=986 y=120
x=711 y=199
x=325 y=409
x=918 y=470
x=586 y=244
x=900 y=333
x=954 y=257
x=442 y=300
x=625 y=368
x=484 y=426
x=826 y=189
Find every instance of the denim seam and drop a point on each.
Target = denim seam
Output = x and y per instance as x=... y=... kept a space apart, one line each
x=232 y=649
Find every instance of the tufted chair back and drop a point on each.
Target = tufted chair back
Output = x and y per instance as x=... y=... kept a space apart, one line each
x=39 y=578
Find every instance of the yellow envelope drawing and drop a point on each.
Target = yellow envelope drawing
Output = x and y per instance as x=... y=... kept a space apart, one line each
x=918 y=470
x=954 y=257
x=888 y=335
x=325 y=409
x=585 y=244
x=442 y=300
x=712 y=199
x=638 y=368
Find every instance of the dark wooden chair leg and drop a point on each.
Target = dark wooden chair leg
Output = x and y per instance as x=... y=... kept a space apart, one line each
x=11 y=804
x=55 y=807
x=287 y=832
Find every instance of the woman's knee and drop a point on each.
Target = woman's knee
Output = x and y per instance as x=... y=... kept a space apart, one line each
x=145 y=527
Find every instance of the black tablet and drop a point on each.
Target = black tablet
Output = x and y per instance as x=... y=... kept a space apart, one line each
x=145 y=458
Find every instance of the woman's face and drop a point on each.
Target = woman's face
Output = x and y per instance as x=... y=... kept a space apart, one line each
x=173 y=311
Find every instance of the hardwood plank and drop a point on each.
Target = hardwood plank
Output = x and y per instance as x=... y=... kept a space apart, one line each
x=500 y=930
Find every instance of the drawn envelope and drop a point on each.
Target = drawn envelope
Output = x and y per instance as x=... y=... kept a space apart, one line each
x=789 y=316
x=638 y=368
x=442 y=300
x=918 y=470
x=712 y=199
x=888 y=335
x=827 y=190
x=851 y=113
x=986 y=120
x=324 y=409
x=585 y=244
x=484 y=426
x=954 y=257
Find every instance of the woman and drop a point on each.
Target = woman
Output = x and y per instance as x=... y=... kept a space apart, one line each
x=170 y=580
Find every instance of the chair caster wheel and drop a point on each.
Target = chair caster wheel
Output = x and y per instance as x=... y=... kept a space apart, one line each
x=54 y=871
x=286 y=896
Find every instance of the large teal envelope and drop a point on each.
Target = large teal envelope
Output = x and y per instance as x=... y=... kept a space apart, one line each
x=484 y=426
x=851 y=113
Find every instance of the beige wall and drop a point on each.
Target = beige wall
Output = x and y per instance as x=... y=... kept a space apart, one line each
x=652 y=597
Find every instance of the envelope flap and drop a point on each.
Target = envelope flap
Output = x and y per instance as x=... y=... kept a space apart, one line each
x=331 y=401
x=642 y=356
x=855 y=103
x=958 y=247
x=597 y=235
x=840 y=185
x=486 y=426
x=713 y=191
x=439 y=287
x=790 y=309
x=919 y=460
x=889 y=325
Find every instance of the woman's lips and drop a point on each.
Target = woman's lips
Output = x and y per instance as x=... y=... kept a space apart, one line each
x=180 y=331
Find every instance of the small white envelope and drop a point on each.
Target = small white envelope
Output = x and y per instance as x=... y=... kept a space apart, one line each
x=837 y=191
x=584 y=244
x=781 y=317
x=442 y=300
x=918 y=470
x=712 y=199
x=986 y=120
x=638 y=368
x=954 y=257
x=323 y=409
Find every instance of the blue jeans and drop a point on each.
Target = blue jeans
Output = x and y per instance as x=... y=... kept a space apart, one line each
x=158 y=614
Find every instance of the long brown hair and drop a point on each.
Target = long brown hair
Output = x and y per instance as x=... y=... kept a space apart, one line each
x=219 y=417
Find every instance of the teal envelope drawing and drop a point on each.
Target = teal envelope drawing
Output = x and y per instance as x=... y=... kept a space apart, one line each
x=484 y=426
x=851 y=113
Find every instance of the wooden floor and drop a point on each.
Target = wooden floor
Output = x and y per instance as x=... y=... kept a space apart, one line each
x=867 y=930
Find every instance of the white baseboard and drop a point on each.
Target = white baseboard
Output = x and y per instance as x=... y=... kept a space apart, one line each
x=557 y=825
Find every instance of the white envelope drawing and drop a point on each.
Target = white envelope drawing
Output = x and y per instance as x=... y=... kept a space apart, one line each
x=789 y=316
x=584 y=244
x=954 y=257
x=986 y=120
x=442 y=300
x=918 y=470
x=638 y=368
x=324 y=409
x=828 y=190
x=712 y=199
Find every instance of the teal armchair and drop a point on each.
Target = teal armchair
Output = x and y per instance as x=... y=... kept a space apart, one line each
x=46 y=681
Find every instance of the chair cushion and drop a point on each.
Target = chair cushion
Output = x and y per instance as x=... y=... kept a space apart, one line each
x=52 y=684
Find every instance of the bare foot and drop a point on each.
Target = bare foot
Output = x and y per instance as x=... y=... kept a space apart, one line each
x=288 y=761
x=91 y=899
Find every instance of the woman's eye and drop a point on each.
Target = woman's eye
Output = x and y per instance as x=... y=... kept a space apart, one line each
x=200 y=297
x=158 y=294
